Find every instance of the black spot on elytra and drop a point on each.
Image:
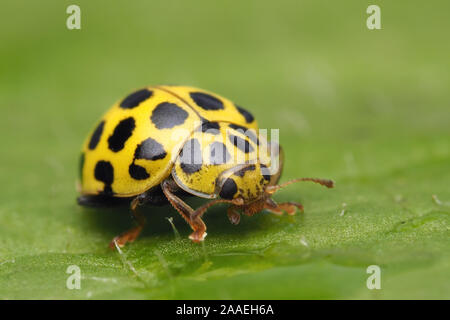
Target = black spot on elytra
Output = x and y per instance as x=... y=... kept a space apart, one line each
x=247 y=115
x=238 y=127
x=168 y=115
x=210 y=127
x=241 y=172
x=242 y=144
x=229 y=189
x=108 y=191
x=104 y=172
x=250 y=133
x=95 y=138
x=121 y=133
x=264 y=169
x=134 y=99
x=219 y=153
x=150 y=149
x=206 y=101
x=81 y=166
x=191 y=156
x=190 y=168
x=138 y=172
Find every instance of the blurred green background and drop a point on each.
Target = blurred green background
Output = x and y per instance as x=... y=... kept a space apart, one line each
x=368 y=108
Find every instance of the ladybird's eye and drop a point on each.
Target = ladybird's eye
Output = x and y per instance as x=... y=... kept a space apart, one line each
x=229 y=189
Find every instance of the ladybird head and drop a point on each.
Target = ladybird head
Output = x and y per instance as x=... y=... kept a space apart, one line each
x=250 y=184
x=248 y=181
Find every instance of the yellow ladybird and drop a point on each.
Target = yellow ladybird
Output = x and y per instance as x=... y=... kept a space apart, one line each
x=161 y=143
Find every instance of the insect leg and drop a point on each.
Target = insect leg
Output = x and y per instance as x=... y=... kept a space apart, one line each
x=278 y=208
x=199 y=227
x=131 y=234
x=233 y=215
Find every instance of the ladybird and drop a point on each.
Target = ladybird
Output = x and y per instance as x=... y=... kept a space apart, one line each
x=161 y=144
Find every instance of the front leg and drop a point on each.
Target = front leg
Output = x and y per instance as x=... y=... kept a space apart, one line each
x=233 y=215
x=194 y=218
x=169 y=187
x=278 y=208
x=131 y=234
